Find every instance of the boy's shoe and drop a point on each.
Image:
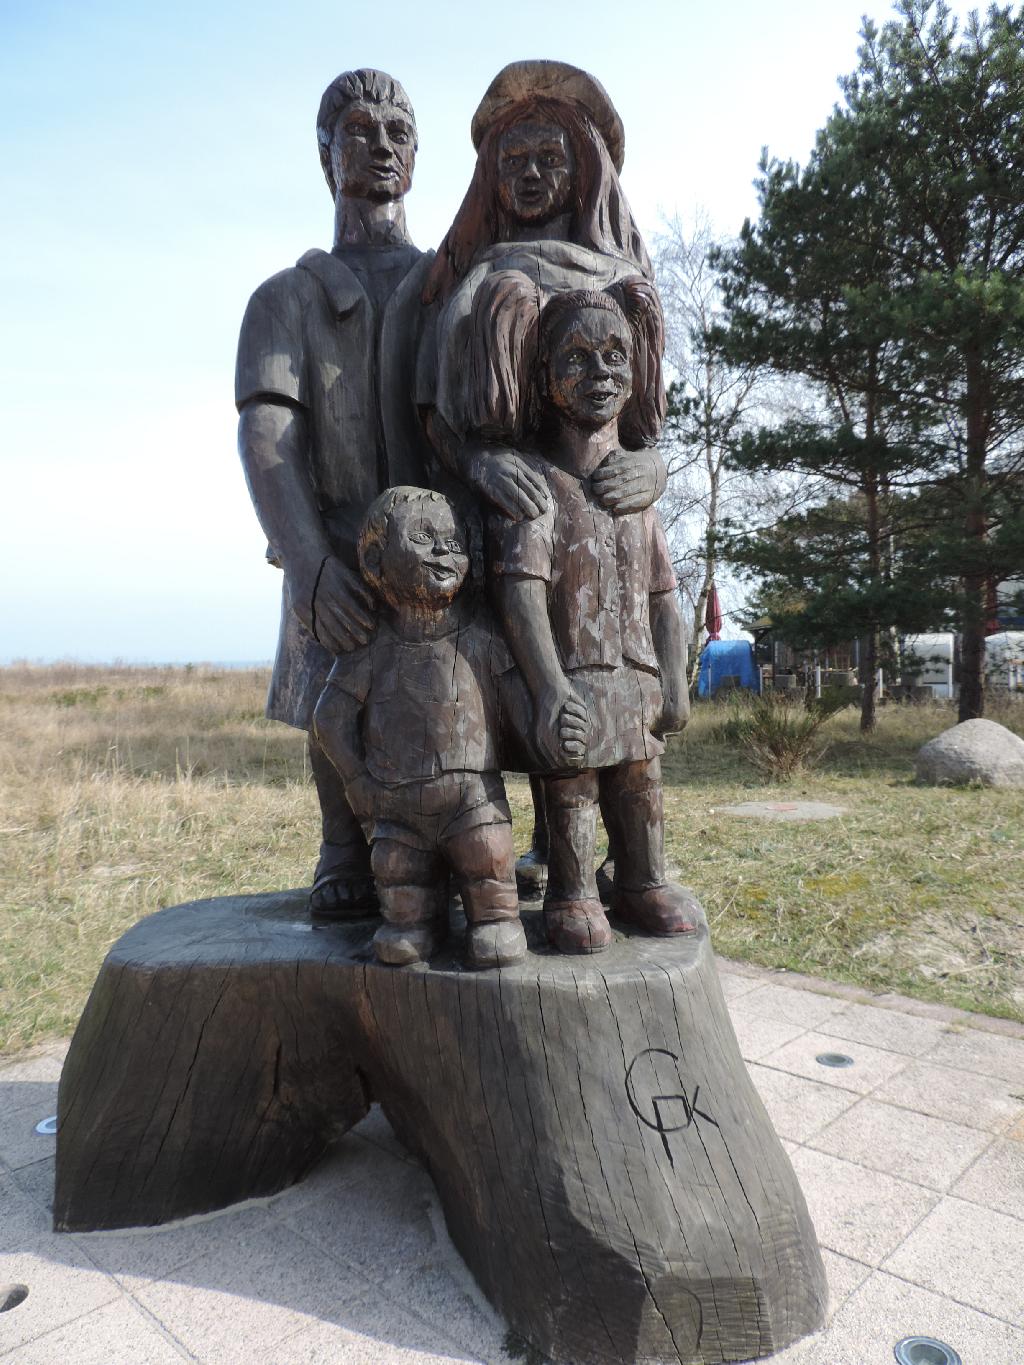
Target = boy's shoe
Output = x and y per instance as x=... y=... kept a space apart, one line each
x=399 y=945
x=663 y=910
x=501 y=944
x=577 y=926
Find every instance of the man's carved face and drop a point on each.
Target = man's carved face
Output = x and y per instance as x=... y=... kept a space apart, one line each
x=373 y=151
x=535 y=172
x=589 y=375
x=424 y=558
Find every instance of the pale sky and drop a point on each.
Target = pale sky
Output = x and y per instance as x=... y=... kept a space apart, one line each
x=158 y=161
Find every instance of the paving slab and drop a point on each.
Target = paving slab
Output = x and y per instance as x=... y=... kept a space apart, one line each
x=63 y=1285
x=120 y=1333
x=798 y=811
x=996 y=1179
x=945 y=1093
x=862 y=1214
x=378 y=1331
x=886 y=1310
x=367 y=1222
x=758 y=1034
x=871 y=1066
x=797 y=1107
x=844 y=1277
x=20 y=1144
x=135 y=1256
x=23 y=1220
x=226 y=1307
x=886 y=1028
x=969 y=1253
x=791 y=1005
x=983 y=1054
x=900 y=1142
x=733 y=985
x=37 y=1182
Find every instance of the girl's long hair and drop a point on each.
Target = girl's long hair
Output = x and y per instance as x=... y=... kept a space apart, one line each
x=601 y=217
x=510 y=328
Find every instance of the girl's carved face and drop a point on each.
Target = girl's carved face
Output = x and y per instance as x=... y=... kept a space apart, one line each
x=536 y=167
x=589 y=372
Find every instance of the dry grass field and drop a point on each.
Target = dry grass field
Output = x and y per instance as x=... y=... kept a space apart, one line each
x=126 y=789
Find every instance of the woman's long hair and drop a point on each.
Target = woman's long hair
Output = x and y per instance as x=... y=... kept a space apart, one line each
x=601 y=217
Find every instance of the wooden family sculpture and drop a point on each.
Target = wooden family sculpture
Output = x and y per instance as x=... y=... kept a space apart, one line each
x=454 y=459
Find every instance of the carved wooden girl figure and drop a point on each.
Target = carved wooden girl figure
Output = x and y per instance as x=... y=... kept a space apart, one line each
x=588 y=600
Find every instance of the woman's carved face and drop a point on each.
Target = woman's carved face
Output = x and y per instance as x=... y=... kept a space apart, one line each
x=535 y=172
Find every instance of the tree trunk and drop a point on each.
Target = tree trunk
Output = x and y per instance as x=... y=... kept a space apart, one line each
x=605 y=1166
x=869 y=681
x=975 y=618
x=868 y=715
x=714 y=470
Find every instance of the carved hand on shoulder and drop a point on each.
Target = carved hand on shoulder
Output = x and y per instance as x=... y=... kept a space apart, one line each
x=501 y=476
x=629 y=481
x=337 y=608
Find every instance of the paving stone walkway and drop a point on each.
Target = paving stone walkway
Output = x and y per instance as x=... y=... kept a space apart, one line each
x=912 y=1161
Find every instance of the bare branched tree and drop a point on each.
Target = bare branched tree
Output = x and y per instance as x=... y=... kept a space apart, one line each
x=710 y=403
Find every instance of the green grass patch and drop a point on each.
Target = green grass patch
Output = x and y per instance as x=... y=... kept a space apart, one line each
x=160 y=786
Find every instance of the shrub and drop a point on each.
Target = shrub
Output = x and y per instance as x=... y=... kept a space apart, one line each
x=780 y=733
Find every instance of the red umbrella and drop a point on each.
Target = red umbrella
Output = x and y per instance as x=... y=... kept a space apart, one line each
x=713 y=615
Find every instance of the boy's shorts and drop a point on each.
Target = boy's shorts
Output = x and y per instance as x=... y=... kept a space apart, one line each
x=424 y=814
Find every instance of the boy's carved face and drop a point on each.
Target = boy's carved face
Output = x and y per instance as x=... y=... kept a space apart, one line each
x=424 y=558
x=589 y=372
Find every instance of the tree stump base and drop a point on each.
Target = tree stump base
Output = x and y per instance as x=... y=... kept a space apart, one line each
x=606 y=1168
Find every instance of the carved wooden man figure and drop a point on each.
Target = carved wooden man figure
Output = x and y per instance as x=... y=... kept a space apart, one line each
x=413 y=722
x=323 y=387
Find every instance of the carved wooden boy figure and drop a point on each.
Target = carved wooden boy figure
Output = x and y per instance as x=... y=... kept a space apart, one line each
x=411 y=721
x=590 y=609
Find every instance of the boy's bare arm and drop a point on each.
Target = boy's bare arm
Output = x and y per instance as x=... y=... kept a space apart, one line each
x=669 y=638
x=336 y=723
x=561 y=720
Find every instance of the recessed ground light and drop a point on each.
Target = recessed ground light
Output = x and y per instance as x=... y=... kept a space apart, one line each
x=833 y=1059
x=47 y=1127
x=925 y=1351
x=11 y=1295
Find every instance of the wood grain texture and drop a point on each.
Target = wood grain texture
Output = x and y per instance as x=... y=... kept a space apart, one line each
x=606 y=1168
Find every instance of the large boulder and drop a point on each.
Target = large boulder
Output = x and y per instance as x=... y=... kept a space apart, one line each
x=976 y=751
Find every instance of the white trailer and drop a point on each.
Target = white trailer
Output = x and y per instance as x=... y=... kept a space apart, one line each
x=928 y=660
x=1004 y=660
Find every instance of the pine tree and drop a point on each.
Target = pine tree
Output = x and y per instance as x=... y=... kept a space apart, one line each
x=890 y=271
